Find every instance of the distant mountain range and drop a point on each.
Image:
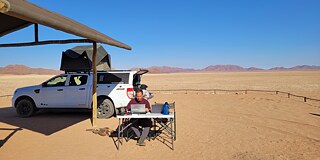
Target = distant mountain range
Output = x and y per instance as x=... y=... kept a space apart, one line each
x=227 y=68
x=22 y=70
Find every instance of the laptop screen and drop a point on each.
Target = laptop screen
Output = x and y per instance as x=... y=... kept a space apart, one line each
x=138 y=108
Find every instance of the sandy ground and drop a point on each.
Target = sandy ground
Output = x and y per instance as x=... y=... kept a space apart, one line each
x=209 y=126
x=301 y=83
x=8 y=83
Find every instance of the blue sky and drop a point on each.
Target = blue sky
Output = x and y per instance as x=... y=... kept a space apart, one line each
x=188 y=34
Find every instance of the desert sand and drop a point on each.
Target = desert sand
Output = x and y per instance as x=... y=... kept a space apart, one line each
x=209 y=126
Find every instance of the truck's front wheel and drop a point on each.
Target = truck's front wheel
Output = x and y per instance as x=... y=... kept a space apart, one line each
x=25 y=108
x=105 y=108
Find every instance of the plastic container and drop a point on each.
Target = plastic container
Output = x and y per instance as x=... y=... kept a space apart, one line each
x=165 y=109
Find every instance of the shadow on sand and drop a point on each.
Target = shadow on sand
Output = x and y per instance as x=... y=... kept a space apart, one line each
x=45 y=122
x=3 y=141
x=315 y=114
x=128 y=134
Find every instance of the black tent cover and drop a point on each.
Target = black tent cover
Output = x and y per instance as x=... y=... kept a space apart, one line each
x=79 y=59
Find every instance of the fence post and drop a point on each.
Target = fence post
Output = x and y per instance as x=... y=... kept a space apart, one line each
x=245 y=92
x=277 y=92
x=305 y=99
x=288 y=95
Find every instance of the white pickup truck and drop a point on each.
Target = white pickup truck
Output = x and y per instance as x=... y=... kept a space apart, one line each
x=74 y=90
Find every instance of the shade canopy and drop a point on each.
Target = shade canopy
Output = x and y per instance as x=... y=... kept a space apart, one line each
x=18 y=14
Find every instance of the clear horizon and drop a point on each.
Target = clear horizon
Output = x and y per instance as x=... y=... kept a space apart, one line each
x=182 y=67
x=192 y=34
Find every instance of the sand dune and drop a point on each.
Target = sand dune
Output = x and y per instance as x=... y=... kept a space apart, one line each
x=209 y=126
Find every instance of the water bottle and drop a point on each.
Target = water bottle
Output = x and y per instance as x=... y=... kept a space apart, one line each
x=165 y=109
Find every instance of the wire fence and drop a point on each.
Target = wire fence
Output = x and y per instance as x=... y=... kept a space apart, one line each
x=6 y=95
x=216 y=91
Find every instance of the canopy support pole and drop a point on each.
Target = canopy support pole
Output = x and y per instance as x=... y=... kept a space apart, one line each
x=94 y=85
x=36 y=35
x=46 y=42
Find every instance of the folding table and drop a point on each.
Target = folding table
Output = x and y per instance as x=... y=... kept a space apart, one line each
x=123 y=124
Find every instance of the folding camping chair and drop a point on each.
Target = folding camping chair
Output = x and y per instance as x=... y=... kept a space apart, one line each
x=164 y=125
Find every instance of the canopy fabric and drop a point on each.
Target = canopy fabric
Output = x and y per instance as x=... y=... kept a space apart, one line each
x=80 y=59
x=18 y=14
x=13 y=25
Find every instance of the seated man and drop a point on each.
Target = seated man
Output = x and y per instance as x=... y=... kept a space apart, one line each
x=145 y=123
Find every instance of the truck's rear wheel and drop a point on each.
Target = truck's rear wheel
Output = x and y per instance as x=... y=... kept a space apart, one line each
x=25 y=108
x=105 y=108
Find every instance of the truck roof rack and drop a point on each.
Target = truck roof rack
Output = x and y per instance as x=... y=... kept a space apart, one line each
x=97 y=71
x=141 y=71
x=114 y=70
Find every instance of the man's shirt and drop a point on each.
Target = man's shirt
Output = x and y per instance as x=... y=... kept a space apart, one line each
x=135 y=101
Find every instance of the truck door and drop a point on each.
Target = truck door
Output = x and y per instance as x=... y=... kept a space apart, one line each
x=115 y=86
x=52 y=92
x=77 y=91
x=120 y=88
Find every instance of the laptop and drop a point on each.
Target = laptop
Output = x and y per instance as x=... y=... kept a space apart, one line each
x=138 y=108
x=157 y=108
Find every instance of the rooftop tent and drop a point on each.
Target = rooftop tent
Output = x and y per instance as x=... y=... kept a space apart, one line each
x=80 y=59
